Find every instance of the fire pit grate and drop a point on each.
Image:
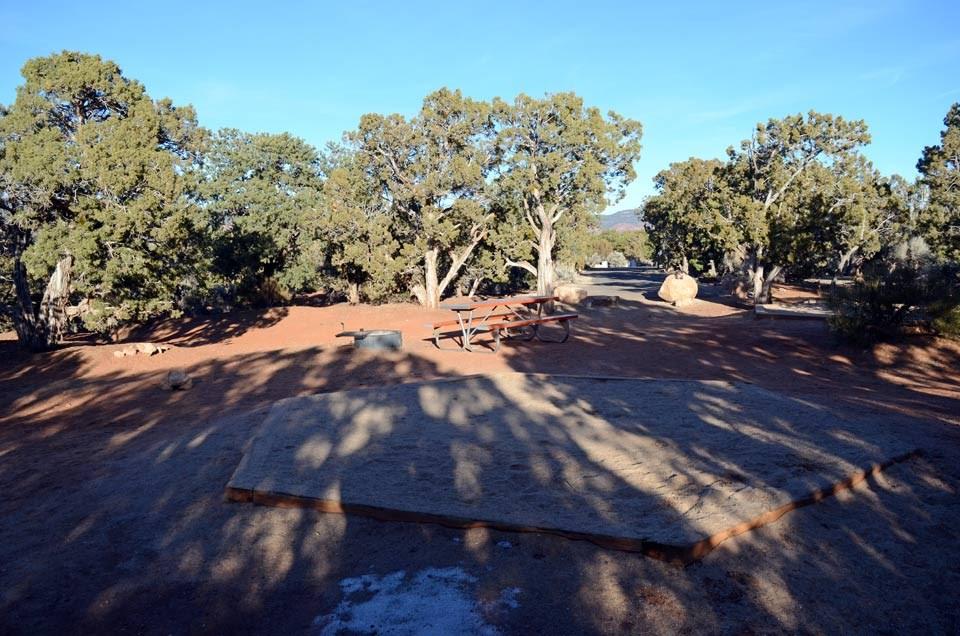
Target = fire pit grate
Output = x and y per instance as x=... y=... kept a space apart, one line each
x=377 y=339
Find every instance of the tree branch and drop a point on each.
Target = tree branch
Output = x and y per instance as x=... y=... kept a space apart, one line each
x=556 y=213
x=529 y=215
x=772 y=197
x=522 y=265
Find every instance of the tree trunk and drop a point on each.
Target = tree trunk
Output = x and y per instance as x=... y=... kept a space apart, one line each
x=767 y=285
x=845 y=259
x=431 y=282
x=475 y=286
x=760 y=280
x=757 y=279
x=353 y=293
x=29 y=332
x=545 y=266
x=712 y=271
x=41 y=331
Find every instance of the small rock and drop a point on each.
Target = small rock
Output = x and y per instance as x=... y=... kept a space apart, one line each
x=148 y=348
x=177 y=381
x=602 y=301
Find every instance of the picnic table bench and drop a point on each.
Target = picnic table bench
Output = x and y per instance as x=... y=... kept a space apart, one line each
x=503 y=317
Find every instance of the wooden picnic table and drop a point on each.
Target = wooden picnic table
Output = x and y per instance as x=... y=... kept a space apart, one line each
x=498 y=315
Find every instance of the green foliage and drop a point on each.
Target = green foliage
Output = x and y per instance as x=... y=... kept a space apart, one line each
x=940 y=175
x=875 y=308
x=617 y=259
x=92 y=166
x=362 y=249
x=946 y=318
x=464 y=196
x=431 y=177
x=692 y=217
x=599 y=245
x=263 y=193
x=795 y=196
x=560 y=163
x=905 y=288
x=850 y=213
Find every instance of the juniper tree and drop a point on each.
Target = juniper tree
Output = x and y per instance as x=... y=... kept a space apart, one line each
x=98 y=189
x=558 y=162
x=767 y=170
x=692 y=216
x=940 y=175
x=430 y=173
x=361 y=250
x=263 y=192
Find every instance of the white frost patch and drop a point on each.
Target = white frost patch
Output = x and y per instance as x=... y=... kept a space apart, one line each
x=432 y=601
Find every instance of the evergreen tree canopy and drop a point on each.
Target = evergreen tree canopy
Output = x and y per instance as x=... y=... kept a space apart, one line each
x=559 y=162
x=263 y=192
x=940 y=174
x=93 y=168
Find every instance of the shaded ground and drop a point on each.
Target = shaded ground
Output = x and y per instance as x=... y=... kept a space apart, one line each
x=113 y=516
x=661 y=467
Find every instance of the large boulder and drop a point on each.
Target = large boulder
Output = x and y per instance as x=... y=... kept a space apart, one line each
x=570 y=294
x=678 y=288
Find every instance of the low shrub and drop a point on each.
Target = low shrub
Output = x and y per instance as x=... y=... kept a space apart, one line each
x=879 y=306
x=565 y=273
x=617 y=259
x=946 y=319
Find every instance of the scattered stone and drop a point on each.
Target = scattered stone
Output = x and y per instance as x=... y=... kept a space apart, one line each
x=146 y=348
x=678 y=288
x=570 y=294
x=177 y=381
x=602 y=301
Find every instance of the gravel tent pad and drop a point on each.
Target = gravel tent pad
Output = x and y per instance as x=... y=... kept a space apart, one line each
x=669 y=468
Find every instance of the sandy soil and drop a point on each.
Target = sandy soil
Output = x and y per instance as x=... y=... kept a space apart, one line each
x=662 y=467
x=113 y=517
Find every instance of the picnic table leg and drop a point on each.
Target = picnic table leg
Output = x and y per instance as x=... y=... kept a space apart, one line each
x=465 y=329
x=522 y=330
x=536 y=327
x=566 y=333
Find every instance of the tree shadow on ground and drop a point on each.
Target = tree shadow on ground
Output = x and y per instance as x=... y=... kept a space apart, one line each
x=201 y=330
x=114 y=516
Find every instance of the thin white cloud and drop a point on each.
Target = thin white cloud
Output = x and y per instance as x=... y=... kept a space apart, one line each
x=886 y=76
x=748 y=104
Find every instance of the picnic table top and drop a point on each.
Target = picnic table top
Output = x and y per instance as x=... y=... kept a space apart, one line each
x=497 y=302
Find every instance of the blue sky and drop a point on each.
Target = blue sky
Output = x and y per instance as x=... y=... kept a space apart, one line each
x=698 y=75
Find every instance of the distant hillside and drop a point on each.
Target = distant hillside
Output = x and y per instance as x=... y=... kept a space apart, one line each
x=621 y=221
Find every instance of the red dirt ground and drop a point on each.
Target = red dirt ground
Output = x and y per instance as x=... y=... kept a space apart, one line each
x=113 y=516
